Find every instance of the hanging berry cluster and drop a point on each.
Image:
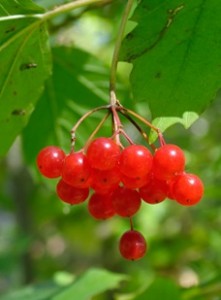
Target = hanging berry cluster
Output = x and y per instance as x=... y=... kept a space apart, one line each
x=116 y=179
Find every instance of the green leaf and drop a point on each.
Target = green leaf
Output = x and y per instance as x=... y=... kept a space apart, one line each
x=92 y=283
x=25 y=64
x=161 y=288
x=43 y=292
x=176 y=52
x=14 y=7
x=165 y=122
x=78 y=84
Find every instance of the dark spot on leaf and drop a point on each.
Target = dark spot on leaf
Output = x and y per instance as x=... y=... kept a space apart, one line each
x=18 y=112
x=15 y=93
x=10 y=29
x=130 y=36
x=28 y=66
x=158 y=75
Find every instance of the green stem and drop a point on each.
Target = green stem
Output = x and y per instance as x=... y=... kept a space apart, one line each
x=68 y=7
x=118 y=45
x=41 y=18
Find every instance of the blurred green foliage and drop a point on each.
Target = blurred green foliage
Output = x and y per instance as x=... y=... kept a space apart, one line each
x=46 y=247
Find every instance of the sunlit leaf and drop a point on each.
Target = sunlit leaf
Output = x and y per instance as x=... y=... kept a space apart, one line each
x=176 y=52
x=25 y=64
x=93 y=282
x=165 y=122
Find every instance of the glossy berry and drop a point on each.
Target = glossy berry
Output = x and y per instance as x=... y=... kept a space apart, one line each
x=135 y=161
x=70 y=194
x=168 y=161
x=132 y=245
x=100 y=206
x=103 y=153
x=76 y=170
x=187 y=189
x=155 y=191
x=104 y=181
x=136 y=182
x=50 y=160
x=126 y=202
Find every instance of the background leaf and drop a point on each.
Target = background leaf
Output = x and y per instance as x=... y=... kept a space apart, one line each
x=93 y=282
x=14 y=7
x=79 y=83
x=161 y=288
x=176 y=52
x=25 y=64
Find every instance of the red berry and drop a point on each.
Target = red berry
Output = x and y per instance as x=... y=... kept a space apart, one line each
x=170 y=188
x=103 y=153
x=155 y=191
x=50 y=160
x=70 y=194
x=135 y=161
x=100 y=206
x=132 y=245
x=76 y=170
x=104 y=181
x=126 y=202
x=168 y=161
x=134 y=183
x=187 y=189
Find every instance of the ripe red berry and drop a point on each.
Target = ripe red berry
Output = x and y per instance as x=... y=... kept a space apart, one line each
x=50 y=160
x=76 y=170
x=135 y=161
x=134 y=183
x=104 y=181
x=100 y=206
x=155 y=191
x=126 y=202
x=168 y=161
x=187 y=189
x=103 y=153
x=70 y=194
x=132 y=245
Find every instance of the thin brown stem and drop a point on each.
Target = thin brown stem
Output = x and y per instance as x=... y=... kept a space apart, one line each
x=96 y=130
x=131 y=224
x=141 y=131
x=86 y=115
x=143 y=120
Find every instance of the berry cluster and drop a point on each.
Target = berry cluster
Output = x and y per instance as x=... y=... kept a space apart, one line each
x=116 y=179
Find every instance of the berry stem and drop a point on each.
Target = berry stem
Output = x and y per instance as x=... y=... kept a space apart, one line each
x=131 y=224
x=143 y=120
x=114 y=103
x=87 y=114
x=142 y=132
x=119 y=132
x=96 y=130
x=126 y=136
x=115 y=57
